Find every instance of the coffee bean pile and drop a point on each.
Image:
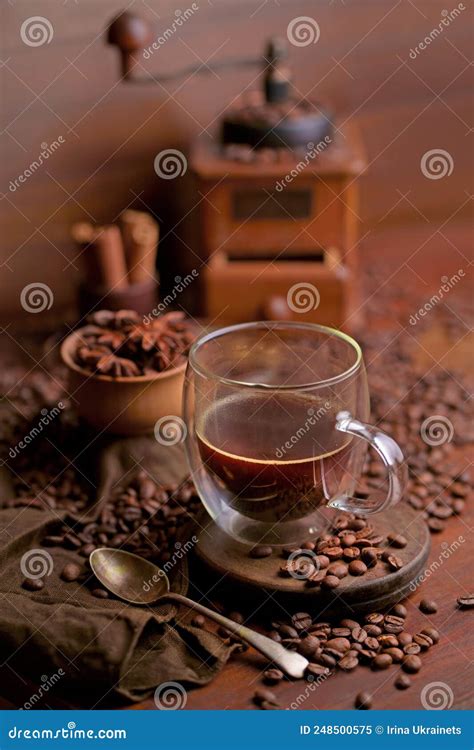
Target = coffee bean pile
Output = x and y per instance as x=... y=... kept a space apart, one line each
x=430 y=416
x=120 y=344
x=143 y=517
x=352 y=547
x=376 y=641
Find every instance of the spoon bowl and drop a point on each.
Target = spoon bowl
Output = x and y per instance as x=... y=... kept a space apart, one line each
x=129 y=576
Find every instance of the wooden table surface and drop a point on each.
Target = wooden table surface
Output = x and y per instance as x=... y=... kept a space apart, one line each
x=449 y=662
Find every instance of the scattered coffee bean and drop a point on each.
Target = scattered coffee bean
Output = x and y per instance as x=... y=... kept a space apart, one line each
x=260 y=552
x=308 y=646
x=428 y=606
x=71 y=572
x=288 y=631
x=465 y=602
x=348 y=663
x=400 y=610
x=33 y=584
x=396 y=654
x=272 y=676
x=411 y=664
x=100 y=593
x=317 y=670
x=265 y=698
x=431 y=633
x=404 y=638
x=374 y=618
x=394 y=562
x=357 y=568
x=402 y=682
x=393 y=624
x=198 y=621
x=338 y=644
x=330 y=582
x=382 y=661
x=363 y=700
x=301 y=621
x=412 y=648
x=397 y=540
x=423 y=641
x=338 y=569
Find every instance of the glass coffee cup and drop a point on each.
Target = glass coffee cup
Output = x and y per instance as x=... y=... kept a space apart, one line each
x=277 y=430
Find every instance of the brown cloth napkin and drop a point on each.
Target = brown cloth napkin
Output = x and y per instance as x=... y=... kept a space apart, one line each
x=105 y=648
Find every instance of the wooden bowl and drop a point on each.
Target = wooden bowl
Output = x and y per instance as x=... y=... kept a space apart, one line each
x=122 y=406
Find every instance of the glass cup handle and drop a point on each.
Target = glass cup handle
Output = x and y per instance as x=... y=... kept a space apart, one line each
x=391 y=455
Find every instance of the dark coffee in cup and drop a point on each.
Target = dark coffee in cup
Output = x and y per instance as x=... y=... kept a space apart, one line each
x=275 y=457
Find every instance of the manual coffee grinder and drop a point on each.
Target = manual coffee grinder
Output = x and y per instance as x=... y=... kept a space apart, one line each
x=279 y=228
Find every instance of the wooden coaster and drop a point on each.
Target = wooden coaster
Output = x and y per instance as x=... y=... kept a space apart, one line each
x=230 y=562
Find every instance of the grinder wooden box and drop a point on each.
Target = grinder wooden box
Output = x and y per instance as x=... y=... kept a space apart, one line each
x=280 y=219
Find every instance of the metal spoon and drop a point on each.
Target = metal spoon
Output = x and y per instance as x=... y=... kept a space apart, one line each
x=138 y=581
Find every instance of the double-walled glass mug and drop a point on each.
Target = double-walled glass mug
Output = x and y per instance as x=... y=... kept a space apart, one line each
x=277 y=430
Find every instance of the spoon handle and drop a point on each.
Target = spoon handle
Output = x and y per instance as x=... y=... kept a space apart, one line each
x=290 y=662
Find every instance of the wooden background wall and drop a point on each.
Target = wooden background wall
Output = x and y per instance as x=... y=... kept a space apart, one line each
x=112 y=132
